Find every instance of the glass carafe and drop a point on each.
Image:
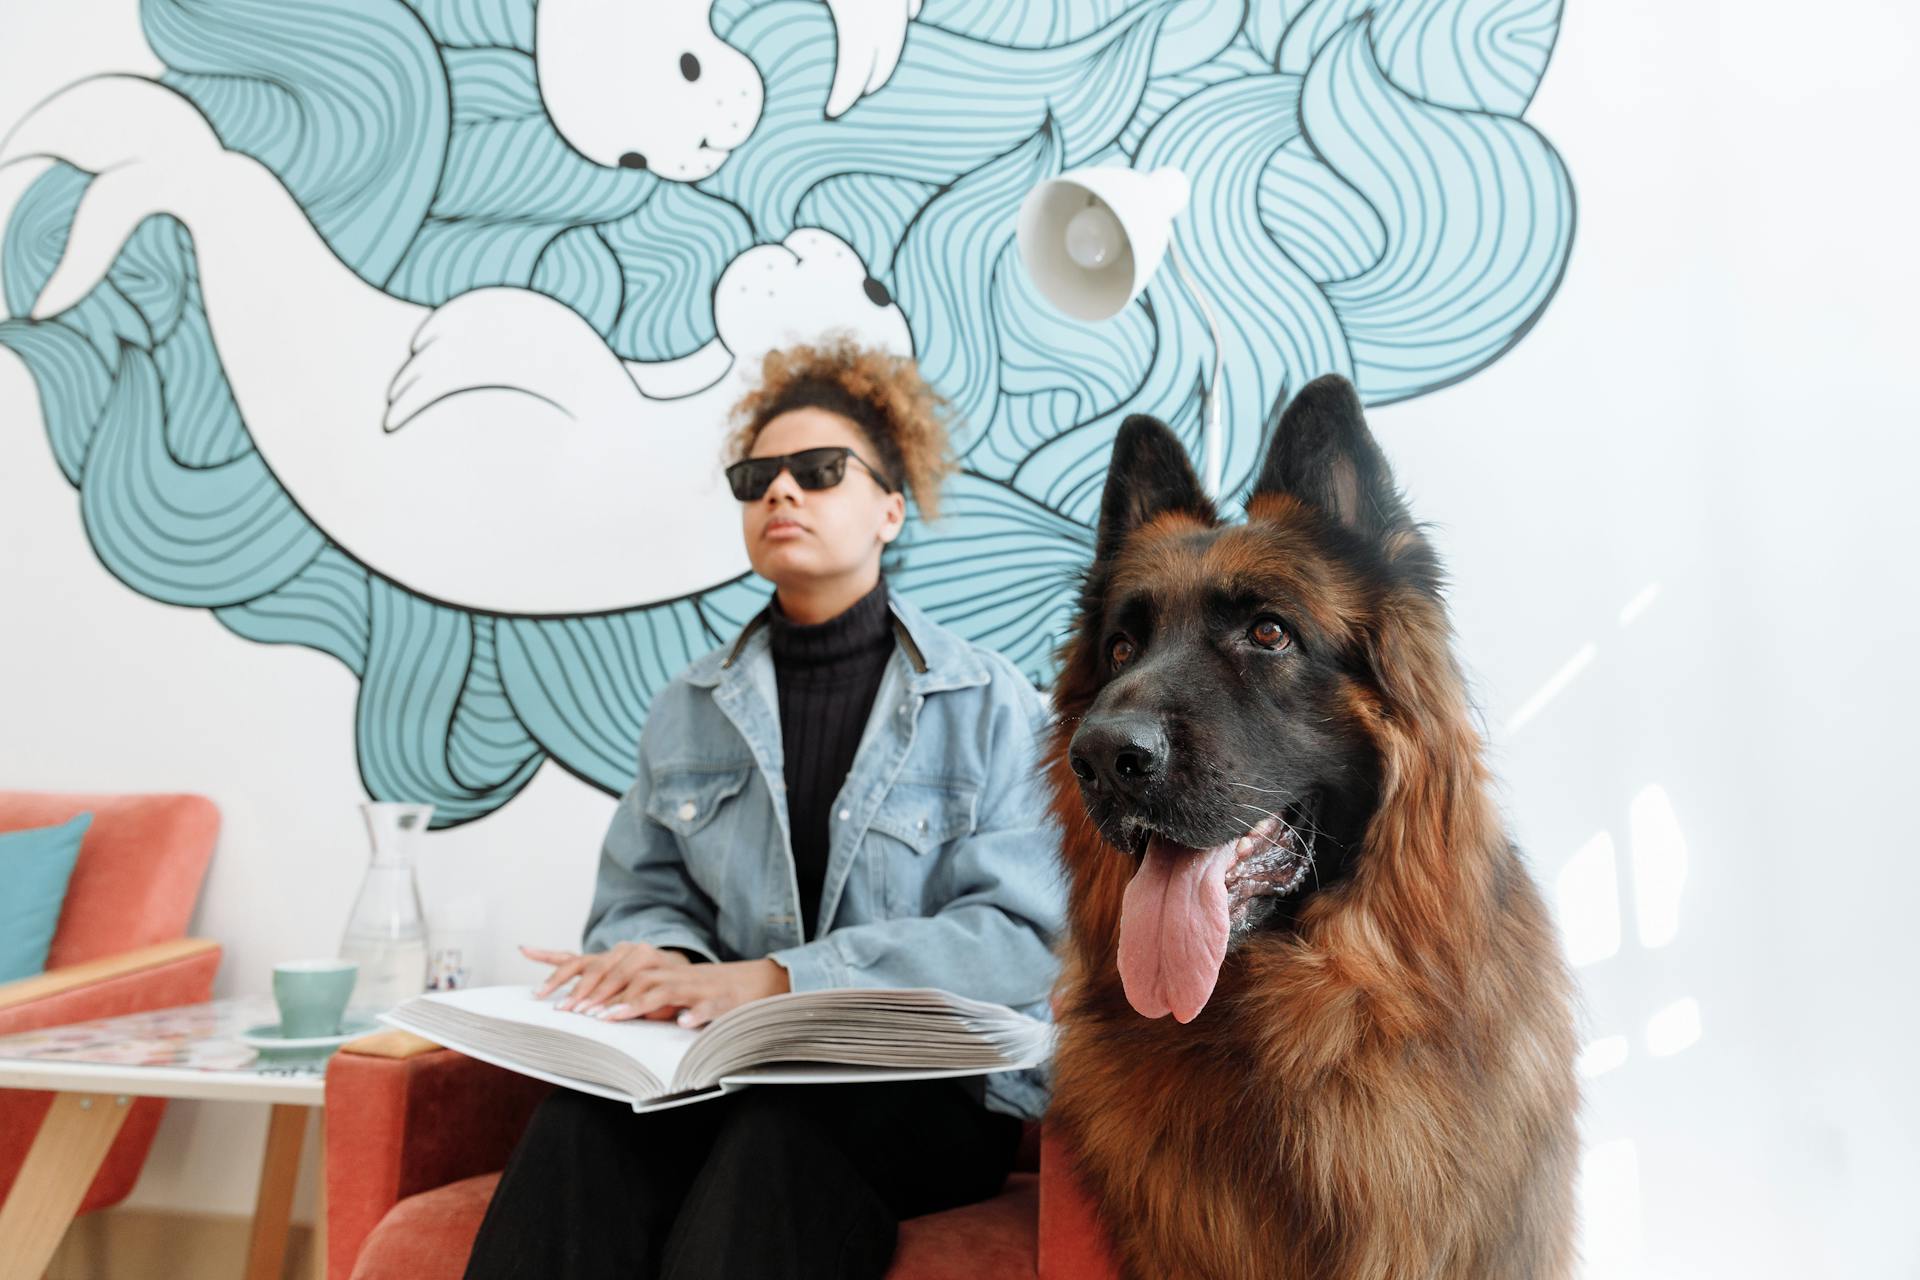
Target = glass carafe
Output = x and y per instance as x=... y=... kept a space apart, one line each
x=386 y=934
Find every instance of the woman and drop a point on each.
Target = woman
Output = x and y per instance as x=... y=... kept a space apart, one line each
x=846 y=795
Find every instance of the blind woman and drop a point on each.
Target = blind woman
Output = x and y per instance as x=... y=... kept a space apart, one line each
x=846 y=794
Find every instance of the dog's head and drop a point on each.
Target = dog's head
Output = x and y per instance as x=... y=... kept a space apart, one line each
x=1225 y=684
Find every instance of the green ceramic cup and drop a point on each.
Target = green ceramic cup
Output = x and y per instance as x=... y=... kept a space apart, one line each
x=312 y=995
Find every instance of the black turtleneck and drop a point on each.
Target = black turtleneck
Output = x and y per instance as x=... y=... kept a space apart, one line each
x=827 y=674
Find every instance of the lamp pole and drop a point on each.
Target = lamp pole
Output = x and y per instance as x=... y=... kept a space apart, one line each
x=1210 y=438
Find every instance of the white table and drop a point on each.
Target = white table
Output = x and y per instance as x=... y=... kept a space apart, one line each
x=96 y=1069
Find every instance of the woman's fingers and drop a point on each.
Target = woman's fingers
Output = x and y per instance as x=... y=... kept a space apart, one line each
x=634 y=980
x=657 y=994
x=594 y=981
x=617 y=964
x=560 y=975
x=654 y=990
x=545 y=956
x=638 y=1000
x=603 y=986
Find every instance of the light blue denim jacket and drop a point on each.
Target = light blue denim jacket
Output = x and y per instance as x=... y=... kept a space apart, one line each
x=942 y=864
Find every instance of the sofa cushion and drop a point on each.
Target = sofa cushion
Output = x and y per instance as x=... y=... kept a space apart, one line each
x=997 y=1239
x=428 y=1236
x=139 y=874
x=36 y=866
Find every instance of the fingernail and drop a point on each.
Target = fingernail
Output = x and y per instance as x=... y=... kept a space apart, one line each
x=617 y=1011
x=591 y=1010
x=686 y=1018
x=565 y=1005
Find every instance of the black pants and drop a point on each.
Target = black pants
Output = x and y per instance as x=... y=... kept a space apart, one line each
x=774 y=1181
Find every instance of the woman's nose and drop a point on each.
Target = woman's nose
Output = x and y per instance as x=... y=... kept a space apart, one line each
x=783 y=488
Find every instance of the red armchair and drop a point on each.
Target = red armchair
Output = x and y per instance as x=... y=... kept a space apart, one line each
x=417 y=1136
x=119 y=948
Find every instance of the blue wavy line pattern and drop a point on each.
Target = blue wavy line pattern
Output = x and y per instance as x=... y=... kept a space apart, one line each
x=1366 y=199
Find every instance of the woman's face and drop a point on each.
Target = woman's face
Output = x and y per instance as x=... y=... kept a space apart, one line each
x=795 y=536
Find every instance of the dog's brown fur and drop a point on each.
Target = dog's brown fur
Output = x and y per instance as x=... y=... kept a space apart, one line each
x=1382 y=1090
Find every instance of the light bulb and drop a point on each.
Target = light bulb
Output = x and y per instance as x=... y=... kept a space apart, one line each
x=1094 y=237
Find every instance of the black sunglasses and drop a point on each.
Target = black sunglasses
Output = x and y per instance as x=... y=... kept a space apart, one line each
x=812 y=469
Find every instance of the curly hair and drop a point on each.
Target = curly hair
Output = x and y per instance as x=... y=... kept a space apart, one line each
x=881 y=394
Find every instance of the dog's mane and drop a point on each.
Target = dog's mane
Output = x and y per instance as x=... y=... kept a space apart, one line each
x=1386 y=954
x=1381 y=1084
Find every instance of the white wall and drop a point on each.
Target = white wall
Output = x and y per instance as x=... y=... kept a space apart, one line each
x=1714 y=424
x=1671 y=515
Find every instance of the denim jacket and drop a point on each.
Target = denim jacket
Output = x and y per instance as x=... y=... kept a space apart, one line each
x=942 y=864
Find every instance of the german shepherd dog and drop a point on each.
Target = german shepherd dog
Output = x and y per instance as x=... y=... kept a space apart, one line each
x=1281 y=832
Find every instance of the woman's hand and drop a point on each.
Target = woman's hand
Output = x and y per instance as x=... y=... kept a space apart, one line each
x=601 y=974
x=699 y=992
x=634 y=980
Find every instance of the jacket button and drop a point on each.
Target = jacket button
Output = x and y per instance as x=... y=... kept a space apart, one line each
x=687 y=811
x=922 y=824
x=845 y=814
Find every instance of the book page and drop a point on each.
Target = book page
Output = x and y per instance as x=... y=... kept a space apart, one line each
x=828 y=1073
x=887 y=1028
x=839 y=1035
x=506 y=1025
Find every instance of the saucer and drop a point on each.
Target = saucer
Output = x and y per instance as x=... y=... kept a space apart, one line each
x=267 y=1036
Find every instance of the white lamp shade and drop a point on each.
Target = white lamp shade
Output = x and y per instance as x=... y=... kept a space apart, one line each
x=1144 y=206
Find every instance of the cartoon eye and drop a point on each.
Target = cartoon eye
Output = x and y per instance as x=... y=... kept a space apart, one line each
x=689 y=66
x=1120 y=651
x=1268 y=633
x=877 y=293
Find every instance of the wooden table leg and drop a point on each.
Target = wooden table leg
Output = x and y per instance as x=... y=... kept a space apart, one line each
x=60 y=1166
x=320 y=1208
x=267 y=1254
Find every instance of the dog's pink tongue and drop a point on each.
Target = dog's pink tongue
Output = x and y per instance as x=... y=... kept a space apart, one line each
x=1173 y=929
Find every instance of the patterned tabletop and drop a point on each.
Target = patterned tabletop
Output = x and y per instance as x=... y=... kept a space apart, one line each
x=192 y=1051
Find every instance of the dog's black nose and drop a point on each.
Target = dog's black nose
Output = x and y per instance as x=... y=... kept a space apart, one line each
x=1126 y=751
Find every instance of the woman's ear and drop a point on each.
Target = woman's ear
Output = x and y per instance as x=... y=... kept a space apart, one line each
x=893 y=516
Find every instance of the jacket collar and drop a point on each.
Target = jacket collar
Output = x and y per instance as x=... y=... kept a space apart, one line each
x=938 y=658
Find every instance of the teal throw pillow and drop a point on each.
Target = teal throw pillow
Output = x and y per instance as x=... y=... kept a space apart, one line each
x=35 y=866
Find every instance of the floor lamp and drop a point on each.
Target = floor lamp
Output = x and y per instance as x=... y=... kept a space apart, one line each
x=1092 y=238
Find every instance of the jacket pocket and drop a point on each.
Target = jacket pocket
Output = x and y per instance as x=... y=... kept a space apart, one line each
x=915 y=821
x=685 y=800
x=925 y=815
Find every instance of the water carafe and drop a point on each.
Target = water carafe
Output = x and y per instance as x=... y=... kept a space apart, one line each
x=386 y=934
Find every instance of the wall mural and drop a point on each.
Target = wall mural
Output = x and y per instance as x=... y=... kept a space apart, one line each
x=406 y=331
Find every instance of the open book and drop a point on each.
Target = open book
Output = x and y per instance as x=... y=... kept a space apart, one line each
x=809 y=1037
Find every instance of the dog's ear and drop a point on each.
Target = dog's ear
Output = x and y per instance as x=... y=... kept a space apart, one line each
x=1148 y=474
x=1322 y=453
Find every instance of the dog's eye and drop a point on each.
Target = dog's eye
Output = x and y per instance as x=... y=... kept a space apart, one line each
x=1268 y=633
x=1120 y=651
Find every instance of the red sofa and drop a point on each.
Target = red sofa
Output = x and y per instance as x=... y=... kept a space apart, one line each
x=119 y=948
x=417 y=1136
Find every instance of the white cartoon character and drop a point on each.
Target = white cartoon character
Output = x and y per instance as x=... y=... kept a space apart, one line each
x=650 y=86
x=869 y=36
x=492 y=452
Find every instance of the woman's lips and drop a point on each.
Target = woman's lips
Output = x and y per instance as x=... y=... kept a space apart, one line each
x=783 y=529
